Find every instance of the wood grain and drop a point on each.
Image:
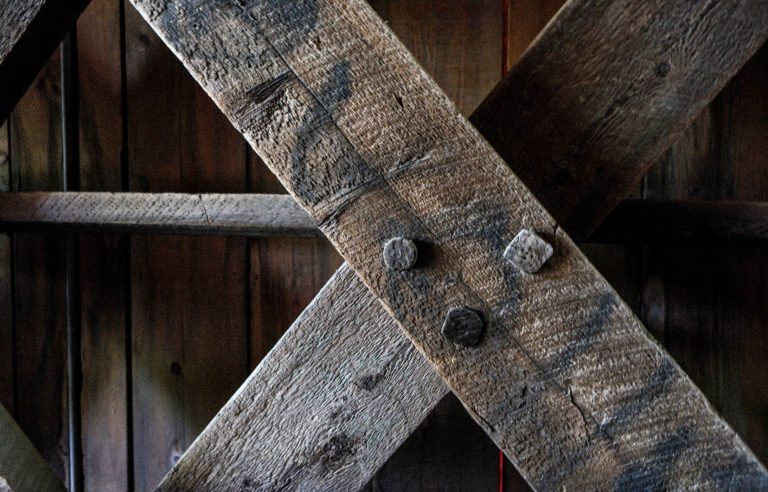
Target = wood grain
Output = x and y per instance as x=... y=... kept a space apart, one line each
x=38 y=275
x=21 y=466
x=6 y=287
x=364 y=186
x=706 y=299
x=104 y=270
x=459 y=44
x=660 y=63
x=30 y=31
x=159 y=213
x=263 y=215
x=189 y=312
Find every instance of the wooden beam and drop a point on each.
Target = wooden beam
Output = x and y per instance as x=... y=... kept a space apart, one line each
x=565 y=380
x=630 y=78
x=264 y=215
x=659 y=221
x=30 y=31
x=21 y=466
x=158 y=213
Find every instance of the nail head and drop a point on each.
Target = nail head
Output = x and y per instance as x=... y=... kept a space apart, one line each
x=400 y=253
x=463 y=326
x=528 y=251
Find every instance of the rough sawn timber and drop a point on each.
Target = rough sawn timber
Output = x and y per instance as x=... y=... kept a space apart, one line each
x=21 y=466
x=567 y=382
x=158 y=213
x=267 y=215
x=631 y=77
x=30 y=31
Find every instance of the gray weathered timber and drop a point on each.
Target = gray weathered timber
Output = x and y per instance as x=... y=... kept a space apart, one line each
x=30 y=30
x=159 y=213
x=631 y=76
x=566 y=381
x=21 y=466
x=255 y=215
x=338 y=399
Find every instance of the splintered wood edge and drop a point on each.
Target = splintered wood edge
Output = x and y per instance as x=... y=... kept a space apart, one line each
x=585 y=418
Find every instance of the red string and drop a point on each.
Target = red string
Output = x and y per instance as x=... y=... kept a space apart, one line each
x=501 y=471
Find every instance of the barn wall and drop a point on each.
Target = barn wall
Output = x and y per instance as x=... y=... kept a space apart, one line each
x=172 y=325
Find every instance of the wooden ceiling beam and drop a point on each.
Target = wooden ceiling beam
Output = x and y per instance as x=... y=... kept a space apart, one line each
x=22 y=468
x=30 y=31
x=565 y=380
x=256 y=215
x=264 y=215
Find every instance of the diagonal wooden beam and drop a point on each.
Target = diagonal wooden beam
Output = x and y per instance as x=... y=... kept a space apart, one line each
x=30 y=31
x=21 y=466
x=630 y=78
x=205 y=455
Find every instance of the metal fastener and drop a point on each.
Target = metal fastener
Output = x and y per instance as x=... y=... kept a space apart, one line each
x=528 y=251
x=400 y=253
x=463 y=326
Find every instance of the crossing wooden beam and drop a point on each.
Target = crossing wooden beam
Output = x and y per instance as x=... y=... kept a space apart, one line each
x=30 y=31
x=565 y=379
x=21 y=466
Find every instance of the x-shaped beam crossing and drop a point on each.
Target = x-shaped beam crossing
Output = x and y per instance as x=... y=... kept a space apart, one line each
x=564 y=379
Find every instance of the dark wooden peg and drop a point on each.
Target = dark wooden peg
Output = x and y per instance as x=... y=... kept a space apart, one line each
x=463 y=326
x=400 y=253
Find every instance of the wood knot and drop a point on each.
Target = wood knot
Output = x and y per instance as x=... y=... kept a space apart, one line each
x=369 y=381
x=662 y=69
x=337 y=449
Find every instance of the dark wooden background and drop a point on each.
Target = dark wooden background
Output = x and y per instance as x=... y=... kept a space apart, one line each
x=172 y=325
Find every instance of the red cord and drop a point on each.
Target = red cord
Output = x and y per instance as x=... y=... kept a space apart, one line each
x=501 y=471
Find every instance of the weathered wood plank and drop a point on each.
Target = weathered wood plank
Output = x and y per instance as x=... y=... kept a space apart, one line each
x=660 y=63
x=38 y=275
x=187 y=357
x=21 y=466
x=159 y=213
x=30 y=31
x=459 y=43
x=257 y=215
x=705 y=299
x=104 y=269
x=361 y=189
x=6 y=287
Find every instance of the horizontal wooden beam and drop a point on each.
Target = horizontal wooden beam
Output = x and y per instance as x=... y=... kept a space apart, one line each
x=158 y=213
x=262 y=215
x=22 y=468
x=30 y=31
x=565 y=380
x=654 y=221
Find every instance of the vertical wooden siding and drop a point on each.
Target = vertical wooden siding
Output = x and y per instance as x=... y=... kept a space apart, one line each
x=172 y=325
